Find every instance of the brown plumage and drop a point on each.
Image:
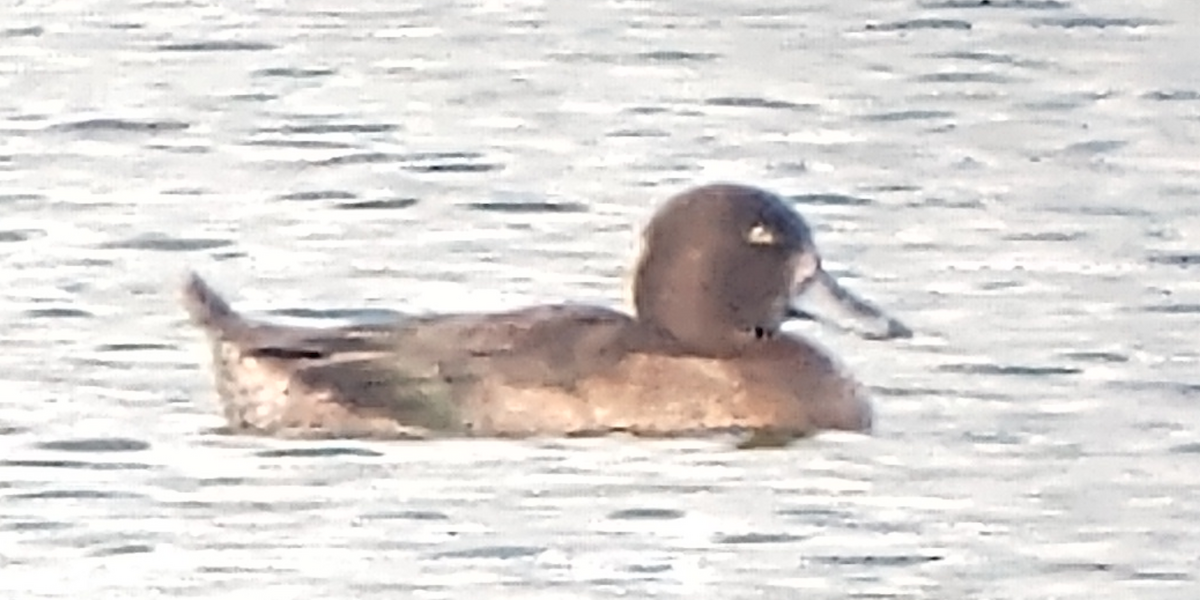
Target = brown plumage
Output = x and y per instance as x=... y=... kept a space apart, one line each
x=704 y=352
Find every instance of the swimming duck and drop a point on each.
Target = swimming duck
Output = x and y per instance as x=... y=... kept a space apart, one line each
x=721 y=270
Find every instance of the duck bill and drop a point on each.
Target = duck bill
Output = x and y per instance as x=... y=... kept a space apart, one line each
x=823 y=300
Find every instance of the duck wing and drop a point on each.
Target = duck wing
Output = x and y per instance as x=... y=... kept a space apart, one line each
x=413 y=377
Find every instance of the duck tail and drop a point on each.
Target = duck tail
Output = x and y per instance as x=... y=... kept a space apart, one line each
x=208 y=309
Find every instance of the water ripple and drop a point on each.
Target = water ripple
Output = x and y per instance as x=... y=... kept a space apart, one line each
x=102 y=125
x=216 y=46
x=1096 y=22
x=90 y=445
x=1004 y=4
x=646 y=514
x=915 y=24
x=159 y=242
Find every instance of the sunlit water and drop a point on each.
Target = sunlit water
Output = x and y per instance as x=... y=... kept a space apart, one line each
x=1018 y=180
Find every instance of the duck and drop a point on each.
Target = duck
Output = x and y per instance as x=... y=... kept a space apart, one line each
x=723 y=267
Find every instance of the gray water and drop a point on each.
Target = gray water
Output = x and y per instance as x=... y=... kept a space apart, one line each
x=1018 y=180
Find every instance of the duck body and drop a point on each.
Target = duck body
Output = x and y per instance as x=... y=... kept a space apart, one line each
x=678 y=367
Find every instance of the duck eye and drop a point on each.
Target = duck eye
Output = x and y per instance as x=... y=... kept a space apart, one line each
x=761 y=235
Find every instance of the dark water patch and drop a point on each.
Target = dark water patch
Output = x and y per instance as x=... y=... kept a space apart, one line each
x=1173 y=309
x=993 y=58
x=528 y=206
x=181 y=149
x=963 y=77
x=423 y=162
x=455 y=167
x=1182 y=259
x=1096 y=357
x=20 y=235
x=755 y=102
x=892 y=188
x=912 y=392
x=115 y=444
x=1096 y=22
x=757 y=538
x=1101 y=210
x=908 y=115
x=1064 y=102
x=323 y=128
x=817 y=516
x=1173 y=95
x=916 y=24
x=317 y=195
x=649 y=569
x=378 y=204
x=559 y=469
x=16 y=32
x=123 y=549
x=317 y=452
x=676 y=56
x=254 y=97
x=250 y=506
x=74 y=464
x=185 y=191
x=646 y=110
x=999 y=438
x=300 y=144
x=122 y=126
x=133 y=347
x=1000 y=284
x=408 y=515
x=273 y=570
x=216 y=46
x=163 y=243
x=57 y=313
x=294 y=72
x=790 y=166
x=12 y=429
x=360 y=158
x=125 y=26
x=828 y=200
x=21 y=198
x=35 y=526
x=76 y=494
x=1157 y=387
x=1091 y=147
x=898 y=560
x=29 y=117
x=1017 y=370
x=1161 y=576
x=1080 y=567
x=493 y=552
x=1046 y=236
x=226 y=481
x=1160 y=427
x=1173 y=190
x=227 y=255
x=1008 y=4
x=637 y=133
x=585 y=58
x=646 y=514
x=1189 y=448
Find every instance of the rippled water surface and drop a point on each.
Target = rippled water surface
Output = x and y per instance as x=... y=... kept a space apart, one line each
x=1019 y=180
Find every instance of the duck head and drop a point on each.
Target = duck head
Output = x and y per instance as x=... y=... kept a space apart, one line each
x=725 y=265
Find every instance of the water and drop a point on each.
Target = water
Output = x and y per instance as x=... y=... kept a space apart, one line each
x=1019 y=180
